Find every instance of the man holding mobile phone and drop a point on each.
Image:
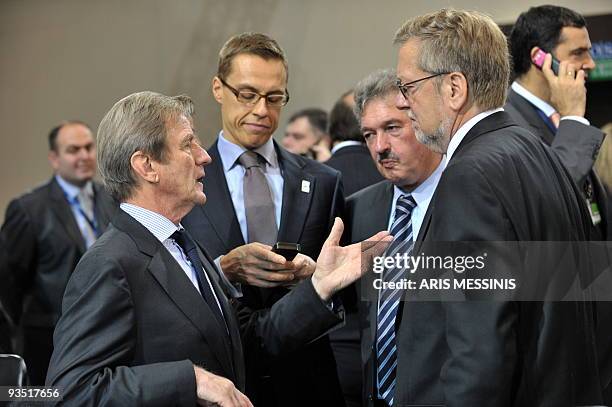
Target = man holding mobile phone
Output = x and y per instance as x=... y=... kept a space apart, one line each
x=264 y=195
x=552 y=106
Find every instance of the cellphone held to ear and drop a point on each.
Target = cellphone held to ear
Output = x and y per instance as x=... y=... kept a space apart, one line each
x=287 y=250
x=538 y=60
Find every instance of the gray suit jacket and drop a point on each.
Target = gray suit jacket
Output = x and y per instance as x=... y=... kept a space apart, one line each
x=575 y=144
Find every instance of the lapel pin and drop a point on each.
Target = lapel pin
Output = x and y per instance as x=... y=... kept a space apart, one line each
x=305 y=186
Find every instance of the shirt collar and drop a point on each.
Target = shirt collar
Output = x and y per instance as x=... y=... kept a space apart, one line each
x=160 y=226
x=230 y=152
x=346 y=143
x=71 y=190
x=533 y=99
x=463 y=131
x=424 y=192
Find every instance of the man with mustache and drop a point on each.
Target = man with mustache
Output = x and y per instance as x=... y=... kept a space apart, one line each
x=262 y=195
x=411 y=173
x=146 y=319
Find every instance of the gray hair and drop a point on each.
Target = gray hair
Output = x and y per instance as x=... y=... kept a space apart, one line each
x=138 y=122
x=377 y=85
x=463 y=41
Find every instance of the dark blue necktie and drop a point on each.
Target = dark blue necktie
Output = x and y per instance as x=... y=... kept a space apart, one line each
x=389 y=299
x=189 y=248
x=547 y=121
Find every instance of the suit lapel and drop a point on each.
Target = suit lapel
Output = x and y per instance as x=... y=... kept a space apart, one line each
x=296 y=201
x=61 y=207
x=228 y=312
x=379 y=220
x=219 y=205
x=490 y=123
x=171 y=277
x=532 y=119
x=493 y=122
x=425 y=225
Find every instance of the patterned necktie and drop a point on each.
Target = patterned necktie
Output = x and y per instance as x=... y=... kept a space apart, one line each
x=258 y=203
x=555 y=118
x=389 y=299
x=189 y=248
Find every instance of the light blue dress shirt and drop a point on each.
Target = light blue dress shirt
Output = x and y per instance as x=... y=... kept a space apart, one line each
x=234 y=175
x=422 y=196
x=71 y=192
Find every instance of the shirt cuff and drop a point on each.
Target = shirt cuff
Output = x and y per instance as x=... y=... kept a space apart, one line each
x=578 y=119
x=235 y=289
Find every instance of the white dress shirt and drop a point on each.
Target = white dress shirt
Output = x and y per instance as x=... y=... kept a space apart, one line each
x=542 y=105
x=162 y=228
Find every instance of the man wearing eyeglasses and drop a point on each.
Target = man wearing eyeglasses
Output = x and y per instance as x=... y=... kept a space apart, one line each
x=500 y=184
x=263 y=195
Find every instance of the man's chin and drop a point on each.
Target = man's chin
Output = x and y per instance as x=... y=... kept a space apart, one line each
x=435 y=144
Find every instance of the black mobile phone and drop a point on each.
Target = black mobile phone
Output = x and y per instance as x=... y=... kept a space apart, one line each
x=538 y=60
x=287 y=250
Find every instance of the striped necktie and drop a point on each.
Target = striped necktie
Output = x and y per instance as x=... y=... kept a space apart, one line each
x=389 y=299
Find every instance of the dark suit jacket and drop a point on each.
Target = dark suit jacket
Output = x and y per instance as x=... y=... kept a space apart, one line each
x=367 y=213
x=501 y=185
x=133 y=325
x=307 y=376
x=42 y=244
x=575 y=144
x=358 y=171
x=356 y=166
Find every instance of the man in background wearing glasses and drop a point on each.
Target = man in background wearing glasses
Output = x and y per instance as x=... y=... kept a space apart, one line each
x=262 y=195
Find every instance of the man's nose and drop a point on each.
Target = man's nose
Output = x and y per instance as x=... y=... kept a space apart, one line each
x=261 y=107
x=401 y=102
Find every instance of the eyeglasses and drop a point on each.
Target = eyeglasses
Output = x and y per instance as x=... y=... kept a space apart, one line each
x=248 y=97
x=408 y=89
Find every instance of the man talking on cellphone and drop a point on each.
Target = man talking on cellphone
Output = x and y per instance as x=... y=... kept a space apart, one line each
x=552 y=106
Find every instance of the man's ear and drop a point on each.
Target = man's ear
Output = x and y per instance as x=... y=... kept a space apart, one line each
x=457 y=90
x=144 y=167
x=217 y=89
x=532 y=53
x=53 y=159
